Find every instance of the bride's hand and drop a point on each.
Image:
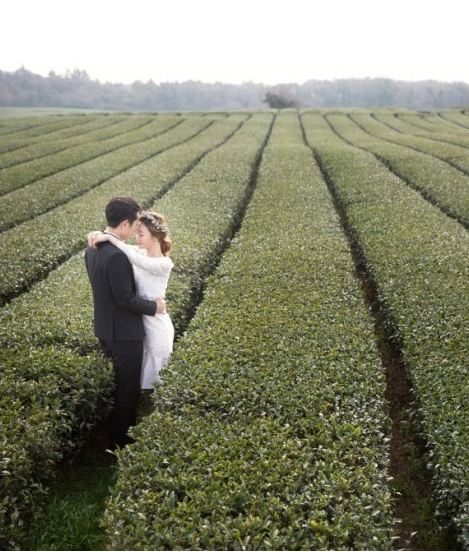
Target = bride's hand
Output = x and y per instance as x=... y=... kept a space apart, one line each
x=96 y=237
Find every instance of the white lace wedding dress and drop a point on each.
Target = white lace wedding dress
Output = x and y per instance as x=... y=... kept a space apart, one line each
x=151 y=279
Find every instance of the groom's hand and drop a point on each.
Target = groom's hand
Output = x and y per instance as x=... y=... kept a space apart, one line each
x=160 y=305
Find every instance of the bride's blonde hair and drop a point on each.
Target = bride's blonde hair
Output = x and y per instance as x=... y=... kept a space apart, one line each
x=156 y=224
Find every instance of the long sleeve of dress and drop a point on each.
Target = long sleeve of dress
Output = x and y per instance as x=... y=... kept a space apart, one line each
x=121 y=287
x=159 y=266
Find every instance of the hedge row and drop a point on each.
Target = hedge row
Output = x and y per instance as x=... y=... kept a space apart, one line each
x=454 y=120
x=58 y=312
x=11 y=125
x=418 y=259
x=439 y=129
x=72 y=125
x=205 y=207
x=460 y=117
x=55 y=311
x=49 y=398
x=96 y=129
x=65 y=165
x=35 y=247
x=39 y=327
x=30 y=130
x=103 y=163
x=59 y=309
x=442 y=184
x=455 y=155
x=270 y=432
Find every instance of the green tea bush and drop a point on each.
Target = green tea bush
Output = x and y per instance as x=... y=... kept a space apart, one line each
x=58 y=311
x=418 y=258
x=50 y=397
x=437 y=128
x=205 y=208
x=443 y=184
x=449 y=120
x=31 y=250
x=271 y=429
x=77 y=170
x=20 y=132
x=446 y=145
x=96 y=128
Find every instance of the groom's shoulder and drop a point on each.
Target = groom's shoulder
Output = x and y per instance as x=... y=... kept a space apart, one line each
x=103 y=251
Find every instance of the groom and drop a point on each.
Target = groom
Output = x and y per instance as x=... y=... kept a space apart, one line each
x=118 y=313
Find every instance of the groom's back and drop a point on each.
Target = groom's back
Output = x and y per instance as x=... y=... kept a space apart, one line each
x=113 y=284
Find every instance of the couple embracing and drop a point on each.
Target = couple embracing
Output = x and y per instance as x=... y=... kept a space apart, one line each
x=130 y=319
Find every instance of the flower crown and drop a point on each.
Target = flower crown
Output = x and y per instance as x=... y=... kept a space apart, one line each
x=156 y=223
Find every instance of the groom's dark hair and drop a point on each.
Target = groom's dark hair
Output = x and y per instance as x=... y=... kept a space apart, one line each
x=120 y=209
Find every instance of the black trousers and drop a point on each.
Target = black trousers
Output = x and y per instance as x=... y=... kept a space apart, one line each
x=127 y=361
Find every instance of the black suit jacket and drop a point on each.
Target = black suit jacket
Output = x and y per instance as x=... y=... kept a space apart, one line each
x=117 y=309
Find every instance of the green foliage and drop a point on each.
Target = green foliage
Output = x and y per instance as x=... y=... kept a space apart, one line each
x=50 y=397
x=46 y=241
x=19 y=147
x=418 y=259
x=448 y=146
x=59 y=310
x=279 y=100
x=27 y=164
x=271 y=431
x=430 y=173
x=77 y=170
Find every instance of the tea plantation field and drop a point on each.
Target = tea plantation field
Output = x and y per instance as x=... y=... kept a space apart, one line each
x=272 y=430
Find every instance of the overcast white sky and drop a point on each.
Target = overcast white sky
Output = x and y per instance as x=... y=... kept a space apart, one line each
x=263 y=41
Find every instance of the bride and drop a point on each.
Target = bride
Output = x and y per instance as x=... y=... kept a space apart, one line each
x=152 y=267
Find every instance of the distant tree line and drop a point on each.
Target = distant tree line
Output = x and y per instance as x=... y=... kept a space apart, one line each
x=23 y=88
